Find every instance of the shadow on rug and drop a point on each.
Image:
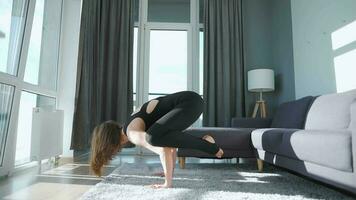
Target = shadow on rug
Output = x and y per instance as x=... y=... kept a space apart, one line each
x=208 y=181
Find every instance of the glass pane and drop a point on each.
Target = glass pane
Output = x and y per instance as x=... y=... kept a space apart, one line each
x=201 y=62
x=201 y=72
x=135 y=67
x=135 y=59
x=27 y=103
x=134 y=102
x=169 y=11
x=168 y=62
x=41 y=66
x=153 y=95
x=6 y=96
x=12 y=21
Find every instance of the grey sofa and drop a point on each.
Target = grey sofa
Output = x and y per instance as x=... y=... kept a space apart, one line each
x=324 y=148
x=313 y=136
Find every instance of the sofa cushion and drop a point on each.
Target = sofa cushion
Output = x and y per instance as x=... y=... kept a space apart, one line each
x=269 y=139
x=331 y=111
x=327 y=148
x=292 y=114
x=238 y=122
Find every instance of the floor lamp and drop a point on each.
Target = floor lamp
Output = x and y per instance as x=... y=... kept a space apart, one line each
x=260 y=80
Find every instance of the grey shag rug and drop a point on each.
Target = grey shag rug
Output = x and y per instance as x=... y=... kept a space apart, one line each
x=209 y=182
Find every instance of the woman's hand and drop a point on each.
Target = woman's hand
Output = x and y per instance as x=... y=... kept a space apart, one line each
x=164 y=185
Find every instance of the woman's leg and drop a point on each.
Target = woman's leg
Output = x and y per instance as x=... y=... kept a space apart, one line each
x=167 y=131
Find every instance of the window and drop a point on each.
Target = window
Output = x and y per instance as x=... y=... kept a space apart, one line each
x=6 y=96
x=167 y=62
x=167 y=39
x=166 y=50
x=201 y=61
x=42 y=57
x=12 y=21
x=135 y=67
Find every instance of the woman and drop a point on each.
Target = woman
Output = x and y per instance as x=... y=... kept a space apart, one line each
x=157 y=125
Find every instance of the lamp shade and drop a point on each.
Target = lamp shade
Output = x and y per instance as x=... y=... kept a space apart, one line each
x=2 y=34
x=260 y=80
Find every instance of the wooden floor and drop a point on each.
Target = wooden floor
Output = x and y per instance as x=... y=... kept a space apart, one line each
x=70 y=179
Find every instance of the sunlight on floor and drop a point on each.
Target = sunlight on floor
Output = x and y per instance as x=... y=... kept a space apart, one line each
x=153 y=177
x=249 y=177
x=54 y=191
x=247 y=180
x=257 y=175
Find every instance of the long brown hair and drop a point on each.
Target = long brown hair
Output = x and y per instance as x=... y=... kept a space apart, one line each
x=105 y=143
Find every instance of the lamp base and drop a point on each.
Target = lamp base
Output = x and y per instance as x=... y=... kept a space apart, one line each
x=260 y=105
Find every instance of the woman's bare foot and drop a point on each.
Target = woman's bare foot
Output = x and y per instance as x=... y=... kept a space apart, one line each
x=220 y=153
x=211 y=140
x=156 y=186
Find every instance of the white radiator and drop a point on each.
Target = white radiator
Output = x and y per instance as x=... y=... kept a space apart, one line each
x=47 y=133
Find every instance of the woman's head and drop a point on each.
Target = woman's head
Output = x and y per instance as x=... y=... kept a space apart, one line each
x=105 y=143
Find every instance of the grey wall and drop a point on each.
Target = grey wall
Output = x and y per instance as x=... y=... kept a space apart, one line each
x=257 y=44
x=268 y=44
x=282 y=48
x=313 y=23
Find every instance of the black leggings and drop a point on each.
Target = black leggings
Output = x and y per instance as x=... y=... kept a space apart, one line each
x=167 y=130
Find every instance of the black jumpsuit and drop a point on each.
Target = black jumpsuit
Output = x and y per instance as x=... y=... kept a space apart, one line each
x=172 y=114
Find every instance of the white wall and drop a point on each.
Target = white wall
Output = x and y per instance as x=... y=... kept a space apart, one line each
x=68 y=67
x=316 y=62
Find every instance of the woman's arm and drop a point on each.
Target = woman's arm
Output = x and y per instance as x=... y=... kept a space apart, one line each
x=139 y=138
x=166 y=155
x=167 y=161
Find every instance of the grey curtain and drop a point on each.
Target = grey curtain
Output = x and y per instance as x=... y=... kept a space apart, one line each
x=223 y=62
x=104 y=76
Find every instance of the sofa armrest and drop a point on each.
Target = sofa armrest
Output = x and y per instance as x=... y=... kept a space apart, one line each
x=251 y=122
x=352 y=128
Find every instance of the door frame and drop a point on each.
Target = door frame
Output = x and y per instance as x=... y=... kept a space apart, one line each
x=143 y=48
